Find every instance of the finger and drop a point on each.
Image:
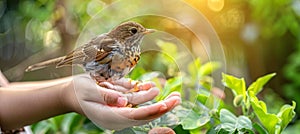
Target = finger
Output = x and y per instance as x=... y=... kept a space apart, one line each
x=113 y=87
x=125 y=82
x=173 y=94
x=129 y=84
x=97 y=94
x=172 y=102
x=142 y=86
x=142 y=96
x=142 y=113
x=111 y=97
x=151 y=111
x=146 y=85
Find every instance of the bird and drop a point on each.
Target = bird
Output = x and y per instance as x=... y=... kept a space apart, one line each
x=106 y=57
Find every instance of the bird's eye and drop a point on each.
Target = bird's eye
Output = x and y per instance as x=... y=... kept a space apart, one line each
x=133 y=30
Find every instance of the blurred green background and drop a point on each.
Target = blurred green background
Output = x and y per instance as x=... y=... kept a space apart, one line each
x=258 y=37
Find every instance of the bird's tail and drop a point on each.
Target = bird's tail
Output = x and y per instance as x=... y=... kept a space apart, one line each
x=44 y=64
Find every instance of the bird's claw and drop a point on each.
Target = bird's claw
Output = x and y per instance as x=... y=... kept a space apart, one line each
x=129 y=105
x=135 y=87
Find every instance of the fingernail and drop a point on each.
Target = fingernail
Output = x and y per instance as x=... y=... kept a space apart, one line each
x=145 y=86
x=163 y=107
x=152 y=84
x=140 y=85
x=177 y=102
x=122 y=101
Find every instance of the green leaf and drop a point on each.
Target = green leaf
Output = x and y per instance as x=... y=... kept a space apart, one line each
x=230 y=119
x=208 y=68
x=90 y=126
x=210 y=102
x=237 y=101
x=41 y=127
x=84 y=131
x=202 y=98
x=168 y=47
x=168 y=51
x=224 y=131
x=137 y=72
x=125 y=131
x=259 y=128
x=55 y=122
x=237 y=85
x=211 y=131
x=196 y=131
x=246 y=131
x=231 y=123
x=71 y=122
x=189 y=119
x=269 y=121
x=286 y=114
x=241 y=131
x=294 y=26
x=257 y=86
x=193 y=68
x=173 y=84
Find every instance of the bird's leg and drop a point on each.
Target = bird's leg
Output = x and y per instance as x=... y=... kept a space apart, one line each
x=135 y=87
x=98 y=81
x=101 y=84
x=129 y=105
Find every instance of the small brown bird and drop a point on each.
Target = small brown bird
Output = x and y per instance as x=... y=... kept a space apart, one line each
x=107 y=57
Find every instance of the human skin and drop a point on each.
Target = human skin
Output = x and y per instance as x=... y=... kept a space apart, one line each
x=25 y=103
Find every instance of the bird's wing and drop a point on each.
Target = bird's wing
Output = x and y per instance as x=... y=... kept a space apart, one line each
x=96 y=50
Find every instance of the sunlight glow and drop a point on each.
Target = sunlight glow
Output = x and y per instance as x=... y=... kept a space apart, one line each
x=215 y=5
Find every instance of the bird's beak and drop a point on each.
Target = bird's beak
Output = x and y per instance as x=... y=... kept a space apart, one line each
x=149 y=31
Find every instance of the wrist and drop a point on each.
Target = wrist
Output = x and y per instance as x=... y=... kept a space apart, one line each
x=68 y=97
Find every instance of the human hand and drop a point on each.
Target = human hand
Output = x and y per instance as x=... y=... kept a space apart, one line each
x=111 y=93
x=105 y=106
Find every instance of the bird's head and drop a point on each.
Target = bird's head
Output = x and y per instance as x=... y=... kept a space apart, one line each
x=129 y=32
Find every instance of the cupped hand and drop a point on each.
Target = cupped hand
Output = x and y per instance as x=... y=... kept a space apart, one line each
x=106 y=106
x=113 y=94
x=117 y=118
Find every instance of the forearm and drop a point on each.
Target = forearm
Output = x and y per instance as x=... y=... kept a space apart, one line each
x=19 y=107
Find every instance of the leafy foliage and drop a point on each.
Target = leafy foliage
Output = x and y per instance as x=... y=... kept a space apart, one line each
x=67 y=124
x=291 y=72
x=171 y=85
x=35 y=25
x=270 y=13
x=237 y=85
x=279 y=24
x=257 y=86
x=197 y=82
x=232 y=124
x=273 y=123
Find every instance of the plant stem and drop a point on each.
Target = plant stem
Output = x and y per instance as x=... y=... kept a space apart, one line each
x=245 y=110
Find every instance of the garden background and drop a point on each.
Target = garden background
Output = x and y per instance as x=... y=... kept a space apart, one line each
x=257 y=38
